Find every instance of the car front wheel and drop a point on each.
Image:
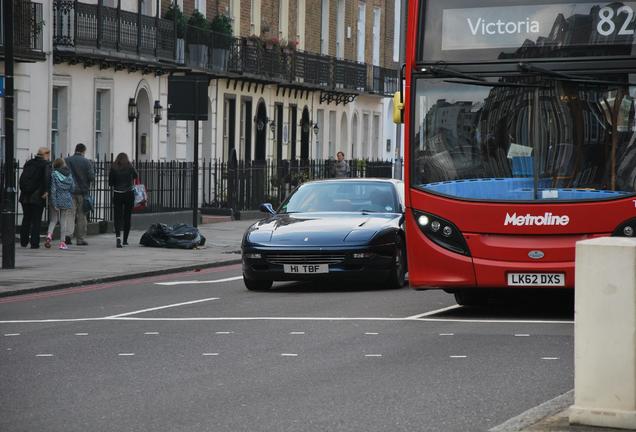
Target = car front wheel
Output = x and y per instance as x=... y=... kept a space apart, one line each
x=397 y=274
x=256 y=284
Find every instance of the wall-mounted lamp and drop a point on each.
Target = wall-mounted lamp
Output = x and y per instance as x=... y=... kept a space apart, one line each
x=316 y=129
x=132 y=109
x=156 y=110
x=272 y=126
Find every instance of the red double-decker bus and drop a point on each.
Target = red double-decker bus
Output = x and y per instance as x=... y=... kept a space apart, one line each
x=520 y=139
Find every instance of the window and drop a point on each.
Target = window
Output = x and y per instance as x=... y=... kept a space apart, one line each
x=324 y=28
x=55 y=123
x=98 y=123
x=362 y=11
x=376 y=36
x=200 y=6
x=397 y=24
x=340 y=29
x=102 y=123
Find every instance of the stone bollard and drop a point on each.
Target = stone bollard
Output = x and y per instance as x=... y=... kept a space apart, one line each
x=605 y=333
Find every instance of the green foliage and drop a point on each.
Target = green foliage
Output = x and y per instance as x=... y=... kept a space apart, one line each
x=221 y=24
x=181 y=19
x=198 y=20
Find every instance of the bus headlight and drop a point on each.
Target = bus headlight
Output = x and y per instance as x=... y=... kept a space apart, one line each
x=626 y=229
x=441 y=232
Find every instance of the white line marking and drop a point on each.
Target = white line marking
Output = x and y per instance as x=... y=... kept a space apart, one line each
x=210 y=354
x=458 y=356
x=447 y=334
x=373 y=355
x=425 y=314
x=81 y=334
x=549 y=358
x=126 y=354
x=371 y=333
x=289 y=355
x=223 y=332
x=151 y=333
x=199 y=282
x=161 y=307
x=124 y=317
x=44 y=355
x=296 y=333
x=12 y=334
x=522 y=335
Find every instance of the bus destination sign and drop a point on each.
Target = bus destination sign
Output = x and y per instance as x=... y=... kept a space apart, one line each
x=519 y=30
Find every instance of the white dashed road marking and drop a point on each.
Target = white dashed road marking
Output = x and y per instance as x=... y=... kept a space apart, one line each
x=81 y=334
x=210 y=354
x=151 y=333
x=371 y=333
x=296 y=333
x=12 y=334
x=373 y=355
x=289 y=355
x=126 y=354
x=549 y=358
x=447 y=334
x=522 y=335
x=44 y=355
x=223 y=332
x=458 y=356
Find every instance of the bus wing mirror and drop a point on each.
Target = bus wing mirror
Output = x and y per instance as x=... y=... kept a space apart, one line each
x=398 y=100
x=398 y=108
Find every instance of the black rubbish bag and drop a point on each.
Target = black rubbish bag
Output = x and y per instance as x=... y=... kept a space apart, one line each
x=179 y=236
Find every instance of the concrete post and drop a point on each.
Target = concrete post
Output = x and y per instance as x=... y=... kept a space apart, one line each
x=605 y=333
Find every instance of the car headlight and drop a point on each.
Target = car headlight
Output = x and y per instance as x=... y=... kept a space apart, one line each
x=441 y=232
x=358 y=236
x=259 y=236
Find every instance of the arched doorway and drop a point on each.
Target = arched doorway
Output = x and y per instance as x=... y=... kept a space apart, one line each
x=143 y=132
x=344 y=136
x=261 y=131
x=354 y=136
x=304 y=134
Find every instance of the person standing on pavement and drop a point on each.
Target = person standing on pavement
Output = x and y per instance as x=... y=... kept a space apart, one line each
x=83 y=174
x=121 y=179
x=34 y=187
x=61 y=203
x=340 y=168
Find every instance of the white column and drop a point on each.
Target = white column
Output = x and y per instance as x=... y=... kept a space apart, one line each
x=605 y=333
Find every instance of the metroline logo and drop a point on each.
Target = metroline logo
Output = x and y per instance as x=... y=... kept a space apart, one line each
x=531 y=220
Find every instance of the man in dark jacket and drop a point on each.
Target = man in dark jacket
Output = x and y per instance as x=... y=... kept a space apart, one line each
x=83 y=174
x=34 y=188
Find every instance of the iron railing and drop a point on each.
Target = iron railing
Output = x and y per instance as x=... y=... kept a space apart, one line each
x=93 y=26
x=28 y=25
x=242 y=185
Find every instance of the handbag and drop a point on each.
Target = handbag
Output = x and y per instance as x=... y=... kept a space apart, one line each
x=141 y=197
x=88 y=204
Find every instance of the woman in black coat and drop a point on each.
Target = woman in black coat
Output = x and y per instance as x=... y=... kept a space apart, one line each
x=121 y=179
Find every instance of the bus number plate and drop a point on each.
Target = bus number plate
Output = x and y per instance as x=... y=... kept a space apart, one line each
x=536 y=279
x=306 y=268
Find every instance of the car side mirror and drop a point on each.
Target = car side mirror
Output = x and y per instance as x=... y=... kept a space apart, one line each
x=267 y=208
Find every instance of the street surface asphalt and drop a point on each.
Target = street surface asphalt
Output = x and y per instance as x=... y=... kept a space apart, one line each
x=196 y=351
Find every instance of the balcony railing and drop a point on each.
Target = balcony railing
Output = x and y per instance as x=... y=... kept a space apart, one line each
x=90 y=26
x=28 y=25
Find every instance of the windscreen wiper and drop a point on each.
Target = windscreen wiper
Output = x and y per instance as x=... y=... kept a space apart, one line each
x=561 y=76
x=436 y=70
x=496 y=84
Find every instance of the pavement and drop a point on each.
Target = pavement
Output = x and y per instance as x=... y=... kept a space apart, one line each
x=100 y=261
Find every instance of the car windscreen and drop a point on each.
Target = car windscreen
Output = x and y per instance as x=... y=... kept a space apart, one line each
x=346 y=196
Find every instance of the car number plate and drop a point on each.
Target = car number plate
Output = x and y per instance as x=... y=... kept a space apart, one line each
x=306 y=268
x=536 y=279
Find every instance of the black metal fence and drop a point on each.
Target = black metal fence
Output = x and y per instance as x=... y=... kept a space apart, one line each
x=242 y=185
x=28 y=25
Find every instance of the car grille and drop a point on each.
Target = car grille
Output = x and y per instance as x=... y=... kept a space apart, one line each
x=304 y=259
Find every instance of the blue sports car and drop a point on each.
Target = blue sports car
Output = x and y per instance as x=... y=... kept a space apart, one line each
x=330 y=229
